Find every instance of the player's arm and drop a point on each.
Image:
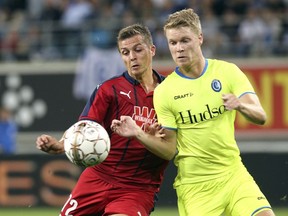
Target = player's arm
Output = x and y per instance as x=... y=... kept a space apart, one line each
x=50 y=144
x=164 y=146
x=248 y=105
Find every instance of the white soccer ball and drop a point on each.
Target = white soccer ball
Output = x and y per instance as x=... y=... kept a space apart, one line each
x=86 y=143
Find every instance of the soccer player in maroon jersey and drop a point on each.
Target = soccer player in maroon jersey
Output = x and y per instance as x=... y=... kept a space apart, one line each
x=127 y=182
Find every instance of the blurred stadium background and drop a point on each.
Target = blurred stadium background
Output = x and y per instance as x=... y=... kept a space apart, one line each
x=45 y=43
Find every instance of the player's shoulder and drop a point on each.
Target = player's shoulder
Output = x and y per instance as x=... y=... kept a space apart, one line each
x=224 y=67
x=166 y=83
x=113 y=81
x=218 y=63
x=107 y=86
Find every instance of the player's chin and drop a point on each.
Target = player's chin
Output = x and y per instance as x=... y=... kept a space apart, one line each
x=182 y=61
x=136 y=70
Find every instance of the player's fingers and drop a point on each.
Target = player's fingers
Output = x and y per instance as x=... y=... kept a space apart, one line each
x=126 y=119
x=147 y=127
x=114 y=128
x=45 y=138
x=38 y=146
x=123 y=118
x=40 y=141
x=158 y=126
x=42 y=147
x=114 y=123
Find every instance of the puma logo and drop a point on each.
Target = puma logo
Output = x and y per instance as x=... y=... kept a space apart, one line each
x=127 y=94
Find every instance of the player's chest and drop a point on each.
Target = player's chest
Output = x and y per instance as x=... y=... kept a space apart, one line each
x=199 y=95
x=135 y=102
x=131 y=96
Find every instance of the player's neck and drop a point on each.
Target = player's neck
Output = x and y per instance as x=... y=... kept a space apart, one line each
x=149 y=82
x=194 y=70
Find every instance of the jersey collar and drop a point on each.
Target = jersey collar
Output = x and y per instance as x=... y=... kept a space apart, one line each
x=135 y=82
x=182 y=75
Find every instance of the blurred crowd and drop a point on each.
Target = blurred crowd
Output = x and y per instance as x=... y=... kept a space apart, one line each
x=63 y=29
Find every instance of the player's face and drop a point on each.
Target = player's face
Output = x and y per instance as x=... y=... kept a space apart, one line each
x=137 y=55
x=184 y=46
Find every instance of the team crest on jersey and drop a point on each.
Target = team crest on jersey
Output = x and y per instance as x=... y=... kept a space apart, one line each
x=144 y=115
x=216 y=85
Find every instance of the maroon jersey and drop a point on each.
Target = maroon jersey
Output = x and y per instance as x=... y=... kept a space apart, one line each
x=129 y=163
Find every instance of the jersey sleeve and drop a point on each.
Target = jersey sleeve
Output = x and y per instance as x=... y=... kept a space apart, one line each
x=97 y=106
x=239 y=82
x=161 y=104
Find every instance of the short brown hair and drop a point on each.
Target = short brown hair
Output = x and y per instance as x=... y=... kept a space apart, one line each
x=135 y=29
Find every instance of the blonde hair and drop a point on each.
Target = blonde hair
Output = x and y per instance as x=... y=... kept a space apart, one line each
x=184 y=18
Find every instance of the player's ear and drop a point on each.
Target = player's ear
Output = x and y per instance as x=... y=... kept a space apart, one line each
x=200 y=37
x=153 y=50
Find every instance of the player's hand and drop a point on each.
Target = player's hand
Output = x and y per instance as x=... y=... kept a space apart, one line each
x=154 y=129
x=231 y=102
x=49 y=144
x=125 y=127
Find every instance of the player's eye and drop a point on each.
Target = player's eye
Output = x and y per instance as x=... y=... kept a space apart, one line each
x=124 y=53
x=138 y=50
x=185 y=41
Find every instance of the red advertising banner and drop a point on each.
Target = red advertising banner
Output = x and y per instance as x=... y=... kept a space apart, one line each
x=272 y=89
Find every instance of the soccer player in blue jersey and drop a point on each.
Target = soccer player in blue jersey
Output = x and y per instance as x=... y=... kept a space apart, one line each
x=196 y=105
x=127 y=182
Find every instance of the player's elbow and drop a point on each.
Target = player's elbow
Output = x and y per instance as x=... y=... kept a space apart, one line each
x=261 y=120
x=170 y=155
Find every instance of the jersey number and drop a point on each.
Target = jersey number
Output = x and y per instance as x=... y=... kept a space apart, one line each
x=73 y=204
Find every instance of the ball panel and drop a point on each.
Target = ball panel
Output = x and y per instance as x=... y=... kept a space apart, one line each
x=86 y=143
x=100 y=147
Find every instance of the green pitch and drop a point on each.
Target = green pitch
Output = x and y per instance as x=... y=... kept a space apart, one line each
x=31 y=211
x=173 y=212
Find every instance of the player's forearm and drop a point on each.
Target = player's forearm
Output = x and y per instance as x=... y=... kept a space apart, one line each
x=156 y=145
x=253 y=113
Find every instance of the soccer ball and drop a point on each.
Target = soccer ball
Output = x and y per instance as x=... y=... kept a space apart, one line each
x=86 y=143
